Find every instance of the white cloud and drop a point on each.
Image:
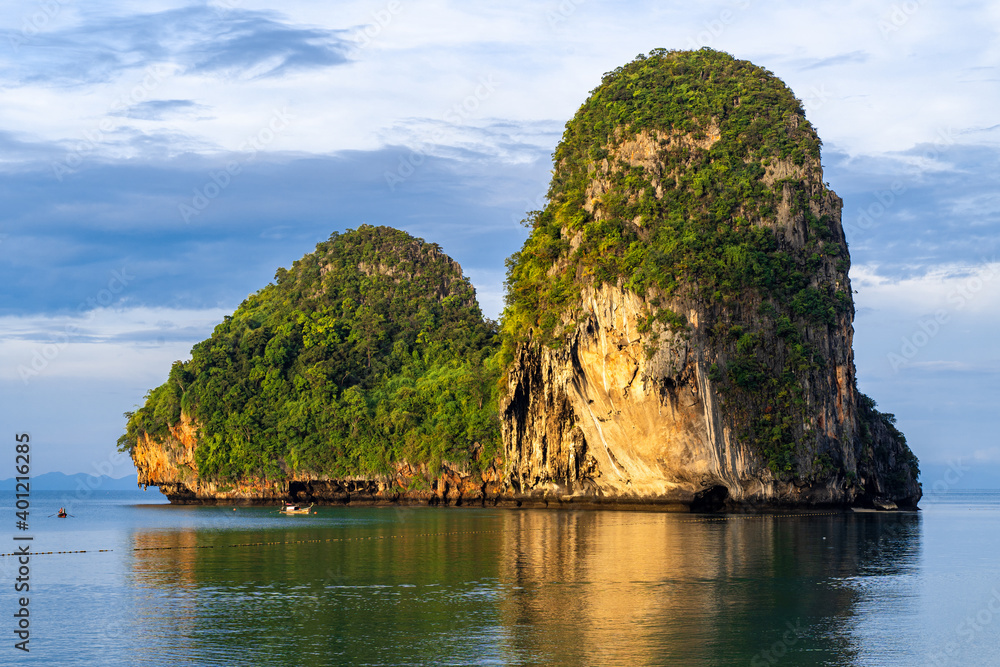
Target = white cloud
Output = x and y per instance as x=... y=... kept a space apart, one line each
x=988 y=455
x=103 y=343
x=489 y=291
x=954 y=288
x=879 y=91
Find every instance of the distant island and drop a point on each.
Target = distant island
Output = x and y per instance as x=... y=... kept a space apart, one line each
x=677 y=332
x=57 y=481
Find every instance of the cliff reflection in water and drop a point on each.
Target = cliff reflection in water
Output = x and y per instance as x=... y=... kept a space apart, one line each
x=386 y=586
x=662 y=589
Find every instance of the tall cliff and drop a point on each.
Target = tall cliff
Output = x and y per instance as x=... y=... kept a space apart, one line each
x=366 y=372
x=678 y=325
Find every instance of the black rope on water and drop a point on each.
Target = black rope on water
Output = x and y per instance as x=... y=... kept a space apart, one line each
x=47 y=553
x=389 y=537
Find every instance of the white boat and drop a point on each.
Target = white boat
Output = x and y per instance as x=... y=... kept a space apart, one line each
x=290 y=508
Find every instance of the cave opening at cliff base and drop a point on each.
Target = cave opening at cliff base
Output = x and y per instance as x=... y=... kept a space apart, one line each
x=712 y=499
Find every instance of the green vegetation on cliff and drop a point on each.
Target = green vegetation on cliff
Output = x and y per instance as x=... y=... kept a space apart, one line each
x=692 y=222
x=878 y=431
x=725 y=153
x=370 y=350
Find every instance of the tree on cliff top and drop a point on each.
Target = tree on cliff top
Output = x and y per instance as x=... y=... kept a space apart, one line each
x=370 y=350
x=692 y=224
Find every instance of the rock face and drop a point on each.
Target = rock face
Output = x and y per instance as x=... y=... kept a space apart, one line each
x=717 y=375
x=599 y=421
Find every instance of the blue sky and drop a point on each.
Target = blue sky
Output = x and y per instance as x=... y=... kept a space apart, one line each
x=161 y=159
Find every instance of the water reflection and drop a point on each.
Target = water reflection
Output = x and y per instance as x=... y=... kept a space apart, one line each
x=167 y=578
x=673 y=589
x=418 y=586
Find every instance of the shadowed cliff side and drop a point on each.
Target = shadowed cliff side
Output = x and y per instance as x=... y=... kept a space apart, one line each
x=679 y=323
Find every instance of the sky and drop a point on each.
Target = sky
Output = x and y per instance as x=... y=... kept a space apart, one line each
x=160 y=160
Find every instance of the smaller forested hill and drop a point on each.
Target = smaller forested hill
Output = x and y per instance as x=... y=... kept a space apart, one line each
x=370 y=351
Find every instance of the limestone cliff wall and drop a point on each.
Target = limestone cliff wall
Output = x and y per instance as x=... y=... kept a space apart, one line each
x=618 y=412
x=614 y=416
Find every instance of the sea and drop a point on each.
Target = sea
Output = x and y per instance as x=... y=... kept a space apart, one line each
x=130 y=580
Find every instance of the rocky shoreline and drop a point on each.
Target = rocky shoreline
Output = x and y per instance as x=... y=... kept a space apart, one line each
x=375 y=493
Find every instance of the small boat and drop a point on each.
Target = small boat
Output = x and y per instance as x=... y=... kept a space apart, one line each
x=62 y=513
x=290 y=508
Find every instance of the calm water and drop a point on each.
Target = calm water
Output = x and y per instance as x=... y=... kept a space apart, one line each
x=387 y=586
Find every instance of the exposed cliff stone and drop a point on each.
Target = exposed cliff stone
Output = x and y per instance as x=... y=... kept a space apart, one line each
x=691 y=340
x=600 y=420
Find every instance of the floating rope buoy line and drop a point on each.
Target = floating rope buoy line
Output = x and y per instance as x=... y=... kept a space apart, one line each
x=390 y=537
x=761 y=516
x=46 y=553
